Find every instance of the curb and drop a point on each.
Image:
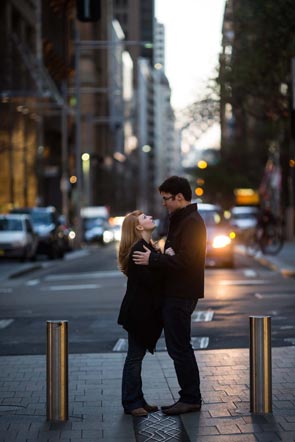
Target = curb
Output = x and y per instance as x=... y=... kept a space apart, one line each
x=279 y=267
x=271 y=262
x=25 y=271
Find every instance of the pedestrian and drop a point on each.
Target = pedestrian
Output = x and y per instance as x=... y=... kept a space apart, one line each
x=183 y=266
x=140 y=312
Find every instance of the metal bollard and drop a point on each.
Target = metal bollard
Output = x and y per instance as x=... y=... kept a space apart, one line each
x=260 y=364
x=57 y=371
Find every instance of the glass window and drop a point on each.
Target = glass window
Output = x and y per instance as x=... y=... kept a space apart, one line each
x=10 y=225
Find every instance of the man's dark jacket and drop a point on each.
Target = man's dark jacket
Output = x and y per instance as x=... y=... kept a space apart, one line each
x=140 y=312
x=184 y=272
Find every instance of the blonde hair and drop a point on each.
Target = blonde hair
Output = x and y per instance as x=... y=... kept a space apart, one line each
x=129 y=236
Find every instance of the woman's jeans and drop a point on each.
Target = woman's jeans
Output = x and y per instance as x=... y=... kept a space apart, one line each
x=132 y=395
x=177 y=328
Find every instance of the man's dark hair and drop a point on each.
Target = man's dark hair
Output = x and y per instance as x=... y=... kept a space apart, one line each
x=175 y=185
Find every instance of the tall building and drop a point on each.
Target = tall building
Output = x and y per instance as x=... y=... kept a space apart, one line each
x=159 y=45
x=33 y=45
x=137 y=20
x=256 y=96
x=166 y=147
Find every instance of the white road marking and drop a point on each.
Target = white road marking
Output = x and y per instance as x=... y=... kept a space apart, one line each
x=33 y=282
x=243 y=282
x=5 y=323
x=272 y=295
x=55 y=288
x=121 y=345
x=89 y=275
x=76 y=254
x=202 y=316
x=250 y=273
x=197 y=343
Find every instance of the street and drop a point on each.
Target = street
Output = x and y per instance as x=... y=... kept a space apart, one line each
x=86 y=289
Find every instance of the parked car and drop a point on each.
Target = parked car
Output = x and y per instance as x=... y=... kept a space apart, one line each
x=220 y=250
x=244 y=220
x=17 y=237
x=47 y=226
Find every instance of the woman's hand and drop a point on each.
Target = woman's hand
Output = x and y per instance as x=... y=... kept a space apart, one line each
x=169 y=251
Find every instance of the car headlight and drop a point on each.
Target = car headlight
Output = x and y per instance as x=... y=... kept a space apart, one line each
x=221 y=241
x=72 y=234
x=107 y=236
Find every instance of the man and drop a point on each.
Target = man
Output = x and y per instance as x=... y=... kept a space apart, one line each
x=183 y=265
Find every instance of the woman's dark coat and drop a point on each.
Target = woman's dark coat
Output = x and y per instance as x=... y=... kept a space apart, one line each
x=140 y=312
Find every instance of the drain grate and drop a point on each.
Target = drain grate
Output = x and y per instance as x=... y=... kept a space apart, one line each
x=159 y=428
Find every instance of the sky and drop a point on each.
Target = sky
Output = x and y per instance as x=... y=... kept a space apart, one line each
x=193 y=42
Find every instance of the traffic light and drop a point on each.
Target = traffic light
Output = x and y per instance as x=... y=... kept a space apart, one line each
x=88 y=10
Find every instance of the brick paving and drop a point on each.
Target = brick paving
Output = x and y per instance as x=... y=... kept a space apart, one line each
x=96 y=413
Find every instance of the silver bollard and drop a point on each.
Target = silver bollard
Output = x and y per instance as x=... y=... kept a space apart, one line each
x=260 y=364
x=57 y=371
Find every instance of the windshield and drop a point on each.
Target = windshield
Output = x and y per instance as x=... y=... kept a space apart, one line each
x=93 y=222
x=11 y=225
x=41 y=218
x=244 y=216
x=210 y=217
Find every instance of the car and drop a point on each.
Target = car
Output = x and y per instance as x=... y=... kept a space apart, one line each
x=243 y=220
x=47 y=225
x=220 y=236
x=17 y=237
x=97 y=229
x=116 y=226
x=69 y=234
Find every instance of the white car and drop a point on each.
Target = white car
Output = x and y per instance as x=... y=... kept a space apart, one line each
x=17 y=237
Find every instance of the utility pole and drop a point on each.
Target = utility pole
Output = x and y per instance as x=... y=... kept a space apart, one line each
x=64 y=185
x=290 y=218
x=78 y=140
x=40 y=134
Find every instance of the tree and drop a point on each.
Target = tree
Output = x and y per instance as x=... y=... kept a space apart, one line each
x=255 y=80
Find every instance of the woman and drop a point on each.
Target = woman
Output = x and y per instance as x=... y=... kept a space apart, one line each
x=140 y=312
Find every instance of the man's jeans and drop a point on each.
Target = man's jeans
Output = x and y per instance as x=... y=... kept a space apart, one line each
x=177 y=328
x=132 y=395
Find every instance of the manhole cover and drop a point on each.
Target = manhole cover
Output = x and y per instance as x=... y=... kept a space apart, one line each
x=158 y=427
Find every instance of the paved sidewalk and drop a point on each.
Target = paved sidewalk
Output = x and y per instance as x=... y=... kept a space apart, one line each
x=283 y=262
x=96 y=413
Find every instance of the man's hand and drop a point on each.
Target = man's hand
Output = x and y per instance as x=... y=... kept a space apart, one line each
x=142 y=258
x=169 y=251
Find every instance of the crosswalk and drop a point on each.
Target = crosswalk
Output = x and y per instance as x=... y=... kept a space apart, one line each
x=198 y=343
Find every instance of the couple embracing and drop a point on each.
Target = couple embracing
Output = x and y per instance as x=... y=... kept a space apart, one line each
x=162 y=293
